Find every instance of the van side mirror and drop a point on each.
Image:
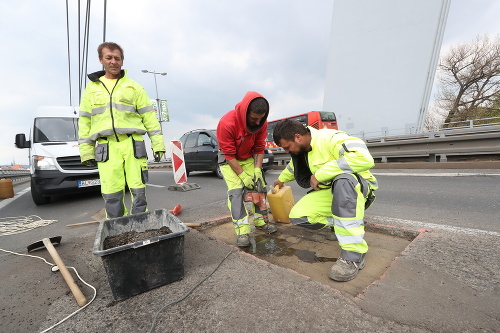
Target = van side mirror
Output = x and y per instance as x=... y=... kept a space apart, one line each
x=21 y=141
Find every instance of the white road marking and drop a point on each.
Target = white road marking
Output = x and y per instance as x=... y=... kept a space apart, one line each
x=415 y=174
x=5 y=202
x=444 y=174
x=425 y=225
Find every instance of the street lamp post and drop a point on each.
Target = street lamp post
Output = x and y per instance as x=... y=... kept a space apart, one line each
x=156 y=86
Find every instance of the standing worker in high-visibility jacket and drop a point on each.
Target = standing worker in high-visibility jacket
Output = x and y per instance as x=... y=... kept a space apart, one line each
x=336 y=166
x=115 y=113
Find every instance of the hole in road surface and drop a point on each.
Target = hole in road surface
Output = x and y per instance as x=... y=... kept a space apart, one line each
x=309 y=253
x=272 y=244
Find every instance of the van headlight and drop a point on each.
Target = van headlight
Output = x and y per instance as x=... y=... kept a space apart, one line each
x=44 y=163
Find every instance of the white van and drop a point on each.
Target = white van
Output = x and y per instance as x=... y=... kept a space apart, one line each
x=54 y=156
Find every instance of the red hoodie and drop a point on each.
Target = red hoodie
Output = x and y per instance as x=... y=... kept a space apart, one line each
x=235 y=140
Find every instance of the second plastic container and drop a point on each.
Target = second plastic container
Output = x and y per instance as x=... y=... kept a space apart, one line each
x=281 y=202
x=6 y=188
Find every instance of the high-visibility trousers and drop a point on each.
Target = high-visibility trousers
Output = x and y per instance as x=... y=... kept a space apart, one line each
x=235 y=198
x=123 y=168
x=343 y=208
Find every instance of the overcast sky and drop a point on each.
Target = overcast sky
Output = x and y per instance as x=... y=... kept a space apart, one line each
x=214 y=51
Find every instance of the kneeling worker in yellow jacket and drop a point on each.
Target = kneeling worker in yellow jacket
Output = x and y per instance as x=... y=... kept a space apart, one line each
x=336 y=166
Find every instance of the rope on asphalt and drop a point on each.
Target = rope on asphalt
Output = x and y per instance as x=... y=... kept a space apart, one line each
x=16 y=225
x=79 y=277
x=153 y=324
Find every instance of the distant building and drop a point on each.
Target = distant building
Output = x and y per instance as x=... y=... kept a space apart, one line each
x=13 y=167
x=16 y=166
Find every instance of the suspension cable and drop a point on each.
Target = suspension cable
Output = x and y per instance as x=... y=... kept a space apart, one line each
x=104 y=23
x=69 y=57
x=79 y=58
x=84 y=49
x=83 y=44
x=87 y=43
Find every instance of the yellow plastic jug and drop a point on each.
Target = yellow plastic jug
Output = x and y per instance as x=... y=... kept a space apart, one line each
x=281 y=202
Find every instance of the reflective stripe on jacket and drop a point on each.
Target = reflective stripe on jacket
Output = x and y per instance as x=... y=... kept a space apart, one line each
x=126 y=109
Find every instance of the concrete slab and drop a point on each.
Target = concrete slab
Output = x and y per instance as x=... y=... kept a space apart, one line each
x=445 y=280
x=184 y=187
x=441 y=282
x=243 y=294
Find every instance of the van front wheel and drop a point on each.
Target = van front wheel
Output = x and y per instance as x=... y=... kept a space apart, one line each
x=38 y=198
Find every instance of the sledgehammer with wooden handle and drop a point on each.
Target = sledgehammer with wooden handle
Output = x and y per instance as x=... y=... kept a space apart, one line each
x=177 y=210
x=192 y=225
x=77 y=293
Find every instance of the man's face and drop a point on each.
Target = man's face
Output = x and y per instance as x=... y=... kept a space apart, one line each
x=298 y=146
x=254 y=120
x=112 y=62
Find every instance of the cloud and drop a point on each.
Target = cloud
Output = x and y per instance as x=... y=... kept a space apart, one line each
x=214 y=51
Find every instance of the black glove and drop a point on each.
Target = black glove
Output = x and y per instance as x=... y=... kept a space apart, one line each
x=158 y=155
x=90 y=163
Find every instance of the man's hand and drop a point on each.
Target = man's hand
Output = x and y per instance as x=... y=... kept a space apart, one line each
x=158 y=155
x=279 y=183
x=90 y=163
x=247 y=180
x=314 y=183
x=259 y=176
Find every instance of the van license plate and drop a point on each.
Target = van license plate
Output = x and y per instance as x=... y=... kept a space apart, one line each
x=265 y=160
x=87 y=183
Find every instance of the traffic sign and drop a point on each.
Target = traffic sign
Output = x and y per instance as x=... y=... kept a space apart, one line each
x=178 y=164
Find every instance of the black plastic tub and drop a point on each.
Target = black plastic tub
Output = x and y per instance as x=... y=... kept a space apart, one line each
x=141 y=266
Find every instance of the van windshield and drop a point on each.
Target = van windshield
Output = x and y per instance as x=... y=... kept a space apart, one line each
x=48 y=129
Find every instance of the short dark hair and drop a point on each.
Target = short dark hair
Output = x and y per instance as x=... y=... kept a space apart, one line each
x=287 y=128
x=259 y=105
x=111 y=46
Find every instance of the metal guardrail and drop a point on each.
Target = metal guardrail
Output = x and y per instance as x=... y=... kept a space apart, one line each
x=15 y=174
x=441 y=128
x=477 y=138
x=160 y=165
x=458 y=141
x=469 y=137
x=451 y=142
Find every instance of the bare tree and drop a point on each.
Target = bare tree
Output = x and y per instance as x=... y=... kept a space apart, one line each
x=434 y=119
x=469 y=79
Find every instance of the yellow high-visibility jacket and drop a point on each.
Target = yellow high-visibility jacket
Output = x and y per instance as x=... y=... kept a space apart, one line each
x=333 y=153
x=123 y=111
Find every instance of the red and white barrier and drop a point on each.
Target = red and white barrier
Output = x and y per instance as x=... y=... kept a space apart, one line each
x=178 y=164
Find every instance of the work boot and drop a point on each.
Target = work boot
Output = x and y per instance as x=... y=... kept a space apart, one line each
x=330 y=235
x=345 y=270
x=243 y=240
x=269 y=228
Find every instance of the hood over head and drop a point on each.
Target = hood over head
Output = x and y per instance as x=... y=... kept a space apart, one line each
x=242 y=109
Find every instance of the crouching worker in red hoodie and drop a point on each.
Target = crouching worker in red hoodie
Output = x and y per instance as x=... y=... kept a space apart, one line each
x=241 y=134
